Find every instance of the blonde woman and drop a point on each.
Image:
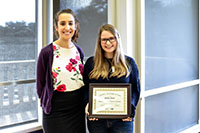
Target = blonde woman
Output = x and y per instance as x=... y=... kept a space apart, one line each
x=110 y=65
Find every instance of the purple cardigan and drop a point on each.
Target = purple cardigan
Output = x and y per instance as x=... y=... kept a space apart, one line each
x=44 y=80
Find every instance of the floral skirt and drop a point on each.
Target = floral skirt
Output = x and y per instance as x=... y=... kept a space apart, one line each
x=67 y=114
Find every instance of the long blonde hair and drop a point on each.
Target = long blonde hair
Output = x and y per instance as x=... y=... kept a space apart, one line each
x=101 y=64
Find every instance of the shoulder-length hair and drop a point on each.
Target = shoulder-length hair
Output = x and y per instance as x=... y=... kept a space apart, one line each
x=101 y=64
x=76 y=34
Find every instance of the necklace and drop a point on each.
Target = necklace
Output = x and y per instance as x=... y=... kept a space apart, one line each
x=112 y=68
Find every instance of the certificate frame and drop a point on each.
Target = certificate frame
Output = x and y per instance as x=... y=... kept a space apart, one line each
x=109 y=100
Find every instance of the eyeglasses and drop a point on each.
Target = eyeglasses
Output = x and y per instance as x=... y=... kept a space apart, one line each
x=111 y=40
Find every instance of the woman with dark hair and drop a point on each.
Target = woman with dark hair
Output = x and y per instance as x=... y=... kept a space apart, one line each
x=59 y=78
x=111 y=65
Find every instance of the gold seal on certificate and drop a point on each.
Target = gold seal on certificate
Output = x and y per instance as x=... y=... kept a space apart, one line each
x=110 y=100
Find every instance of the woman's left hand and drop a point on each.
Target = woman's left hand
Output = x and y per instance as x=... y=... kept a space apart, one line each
x=127 y=119
x=86 y=109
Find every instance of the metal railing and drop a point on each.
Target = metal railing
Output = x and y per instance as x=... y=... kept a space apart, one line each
x=18 y=99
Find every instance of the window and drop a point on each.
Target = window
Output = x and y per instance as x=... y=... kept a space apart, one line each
x=172 y=64
x=171 y=42
x=18 y=46
x=172 y=112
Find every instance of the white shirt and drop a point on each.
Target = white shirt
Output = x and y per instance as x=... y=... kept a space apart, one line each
x=67 y=69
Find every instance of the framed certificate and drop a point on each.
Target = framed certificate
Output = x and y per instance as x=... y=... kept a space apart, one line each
x=109 y=100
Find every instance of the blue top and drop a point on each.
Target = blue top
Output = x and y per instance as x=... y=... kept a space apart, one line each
x=44 y=80
x=133 y=79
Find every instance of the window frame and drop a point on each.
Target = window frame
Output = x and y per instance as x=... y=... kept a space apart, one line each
x=146 y=93
x=32 y=126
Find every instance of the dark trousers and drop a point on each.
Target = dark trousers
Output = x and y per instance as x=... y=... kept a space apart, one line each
x=110 y=126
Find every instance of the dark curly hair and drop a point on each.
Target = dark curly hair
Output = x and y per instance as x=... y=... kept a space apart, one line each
x=76 y=34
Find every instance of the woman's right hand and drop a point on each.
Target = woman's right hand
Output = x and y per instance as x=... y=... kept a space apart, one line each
x=87 y=113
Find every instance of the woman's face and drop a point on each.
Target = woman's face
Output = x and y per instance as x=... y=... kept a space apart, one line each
x=108 y=43
x=65 y=26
